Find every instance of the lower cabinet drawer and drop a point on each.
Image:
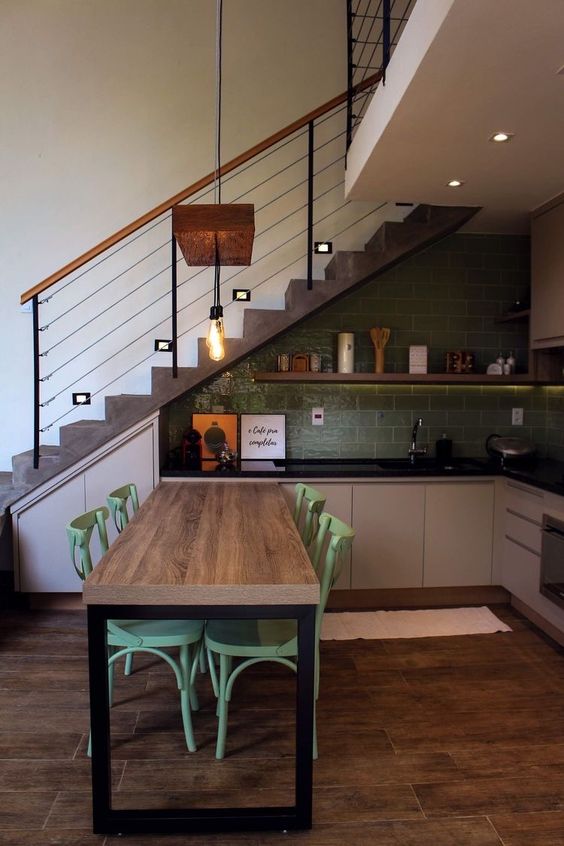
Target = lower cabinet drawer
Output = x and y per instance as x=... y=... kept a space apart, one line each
x=524 y=530
x=521 y=571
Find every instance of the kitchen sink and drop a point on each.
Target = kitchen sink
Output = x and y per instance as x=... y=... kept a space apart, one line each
x=426 y=465
x=421 y=466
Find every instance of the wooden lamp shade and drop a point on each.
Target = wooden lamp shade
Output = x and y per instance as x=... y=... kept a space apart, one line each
x=215 y=234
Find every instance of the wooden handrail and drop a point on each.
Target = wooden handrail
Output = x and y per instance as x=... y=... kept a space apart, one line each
x=239 y=160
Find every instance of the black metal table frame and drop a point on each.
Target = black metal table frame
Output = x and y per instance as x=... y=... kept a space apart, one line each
x=108 y=820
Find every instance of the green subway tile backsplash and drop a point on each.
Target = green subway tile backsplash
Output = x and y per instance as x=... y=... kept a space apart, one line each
x=446 y=297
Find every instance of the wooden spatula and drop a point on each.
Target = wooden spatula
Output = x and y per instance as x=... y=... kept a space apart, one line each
x=379 y=337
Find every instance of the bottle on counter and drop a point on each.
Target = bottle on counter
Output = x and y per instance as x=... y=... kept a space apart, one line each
x=511 y=361
x=500 y=360
x=443 y=449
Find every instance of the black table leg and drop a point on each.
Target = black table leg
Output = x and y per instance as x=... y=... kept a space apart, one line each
x=99 y=718
x=304 y=718
x=107 y=820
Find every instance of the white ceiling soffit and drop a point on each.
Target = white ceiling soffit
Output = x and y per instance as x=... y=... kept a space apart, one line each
x=464 y=69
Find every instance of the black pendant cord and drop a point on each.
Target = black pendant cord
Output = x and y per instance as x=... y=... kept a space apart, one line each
x=218 y=50
x=217 y=310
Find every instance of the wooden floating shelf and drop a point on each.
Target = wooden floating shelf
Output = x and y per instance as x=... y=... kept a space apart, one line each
x=524 y=314
x=399 y=378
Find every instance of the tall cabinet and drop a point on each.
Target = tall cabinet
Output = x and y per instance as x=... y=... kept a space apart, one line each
x=547 y=276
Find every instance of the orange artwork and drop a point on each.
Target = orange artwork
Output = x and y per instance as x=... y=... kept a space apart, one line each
x=215 y=429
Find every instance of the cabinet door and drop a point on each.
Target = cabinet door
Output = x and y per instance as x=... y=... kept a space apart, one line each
x=521 y=571
x=131 y=462
x=388 y=548
x=339 y=503
x=547 y=269
x=458 y=534
x=44 y=562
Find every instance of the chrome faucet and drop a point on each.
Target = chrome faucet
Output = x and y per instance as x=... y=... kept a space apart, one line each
x=415 y=451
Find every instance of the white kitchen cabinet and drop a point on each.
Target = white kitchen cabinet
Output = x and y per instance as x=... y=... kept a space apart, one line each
x=547 y=272
x=339 y=503
x=42 y=561
x=458 y=534
x=42 y=546
x=388 y=519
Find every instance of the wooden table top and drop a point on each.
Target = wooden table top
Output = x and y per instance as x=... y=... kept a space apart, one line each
x=207 y=544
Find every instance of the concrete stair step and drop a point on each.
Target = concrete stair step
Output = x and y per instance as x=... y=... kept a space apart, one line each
x=122 y=410
x=82 y=434
x=23 y=472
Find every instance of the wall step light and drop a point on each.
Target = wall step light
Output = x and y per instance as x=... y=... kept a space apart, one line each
x=162 y=345
x=241 y=295
x=81 y=398
x=323 y=247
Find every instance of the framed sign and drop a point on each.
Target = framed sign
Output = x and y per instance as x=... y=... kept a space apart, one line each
x=215 y=429
x=263 y=436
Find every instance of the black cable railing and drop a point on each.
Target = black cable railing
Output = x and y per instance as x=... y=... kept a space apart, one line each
x=375 y=24
x=140 y=279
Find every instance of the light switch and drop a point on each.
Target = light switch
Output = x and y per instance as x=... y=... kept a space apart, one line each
x=317 y=417
x=516 y=416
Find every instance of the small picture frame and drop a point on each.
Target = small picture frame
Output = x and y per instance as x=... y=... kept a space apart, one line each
x=263 y=436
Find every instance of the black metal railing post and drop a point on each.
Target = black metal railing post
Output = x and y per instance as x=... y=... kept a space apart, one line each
x=350 y=71
x=36 y=381
x=174 y=308
x=385 y=38
x=310 y=206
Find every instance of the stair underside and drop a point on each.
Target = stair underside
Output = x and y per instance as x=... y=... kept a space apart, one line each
x=347 y=271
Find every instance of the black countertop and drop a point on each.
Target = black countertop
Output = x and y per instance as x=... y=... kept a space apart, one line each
x=540 y=473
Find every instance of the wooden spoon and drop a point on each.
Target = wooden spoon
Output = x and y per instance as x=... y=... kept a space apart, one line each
x=379 y=337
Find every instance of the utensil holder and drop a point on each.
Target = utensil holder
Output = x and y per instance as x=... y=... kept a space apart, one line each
x=345 y=352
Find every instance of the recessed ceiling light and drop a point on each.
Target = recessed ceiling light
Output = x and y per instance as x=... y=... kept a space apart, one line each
x=455 y=183
x=500 y=137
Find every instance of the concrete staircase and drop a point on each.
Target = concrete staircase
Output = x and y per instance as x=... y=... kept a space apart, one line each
x=391 y=244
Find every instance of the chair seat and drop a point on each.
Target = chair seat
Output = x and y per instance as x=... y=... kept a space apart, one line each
x=157 y=633
x=252 y=638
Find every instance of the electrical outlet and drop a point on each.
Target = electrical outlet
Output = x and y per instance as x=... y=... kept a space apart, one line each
x=516 y=416
x=317 y=417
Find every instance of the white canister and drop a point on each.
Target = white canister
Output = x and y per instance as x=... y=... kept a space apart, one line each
x=345 y=352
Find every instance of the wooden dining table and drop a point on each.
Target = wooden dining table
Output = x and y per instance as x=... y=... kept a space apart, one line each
x=203 y=550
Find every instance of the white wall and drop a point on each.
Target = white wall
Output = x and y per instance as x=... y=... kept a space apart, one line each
x=108 y=109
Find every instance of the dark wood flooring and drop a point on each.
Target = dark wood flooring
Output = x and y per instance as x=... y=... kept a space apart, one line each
x=453 y=741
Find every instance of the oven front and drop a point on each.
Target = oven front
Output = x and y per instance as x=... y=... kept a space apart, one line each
x=552 y=559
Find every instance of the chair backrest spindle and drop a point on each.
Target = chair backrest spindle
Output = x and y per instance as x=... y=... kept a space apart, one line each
x=117 y=503
x=79 y=533
x=307 y=520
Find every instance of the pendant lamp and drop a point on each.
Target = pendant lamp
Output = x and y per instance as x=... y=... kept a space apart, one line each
x=215 y=234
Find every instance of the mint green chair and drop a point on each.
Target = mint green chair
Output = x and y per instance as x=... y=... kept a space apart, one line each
x=256 y=641
x=117 y=503
x=126 y=637
x=309 y=505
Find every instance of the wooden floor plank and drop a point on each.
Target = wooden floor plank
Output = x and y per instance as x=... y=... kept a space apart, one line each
x=532 y=829
x=491 y=795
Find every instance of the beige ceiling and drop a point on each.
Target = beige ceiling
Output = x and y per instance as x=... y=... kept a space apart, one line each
x=479 y=66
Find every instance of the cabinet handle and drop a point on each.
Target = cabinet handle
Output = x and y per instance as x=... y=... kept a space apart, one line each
x=522 y=545
x=525 y=490
x=523 y=517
